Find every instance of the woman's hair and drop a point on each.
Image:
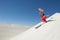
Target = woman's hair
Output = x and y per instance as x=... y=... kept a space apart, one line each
x=43 y=14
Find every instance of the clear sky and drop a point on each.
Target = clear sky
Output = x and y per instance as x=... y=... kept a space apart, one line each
x=26 y=11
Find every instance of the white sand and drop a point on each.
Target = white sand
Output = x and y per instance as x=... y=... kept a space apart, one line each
x=48 y=31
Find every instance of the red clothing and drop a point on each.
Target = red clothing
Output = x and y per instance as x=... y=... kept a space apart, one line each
x=43 y=17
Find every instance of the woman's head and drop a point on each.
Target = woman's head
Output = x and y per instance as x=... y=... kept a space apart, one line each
x=43 y=14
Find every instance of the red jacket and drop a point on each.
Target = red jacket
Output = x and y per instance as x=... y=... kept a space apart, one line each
x=43 y=17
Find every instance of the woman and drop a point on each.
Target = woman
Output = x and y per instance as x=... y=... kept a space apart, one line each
x=43 y=17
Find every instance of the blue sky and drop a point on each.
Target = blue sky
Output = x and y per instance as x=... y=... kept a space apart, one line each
x=26 y=11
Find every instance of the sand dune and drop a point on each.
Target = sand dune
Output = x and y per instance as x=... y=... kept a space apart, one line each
x=48 y=31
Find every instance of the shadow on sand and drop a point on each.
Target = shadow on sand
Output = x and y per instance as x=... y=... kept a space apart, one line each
x=51 y=20
x=43 y=23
